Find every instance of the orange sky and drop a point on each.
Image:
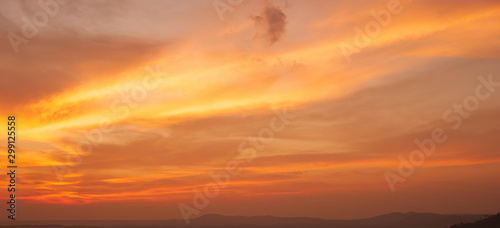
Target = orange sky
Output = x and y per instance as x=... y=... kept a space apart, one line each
x=182 y=89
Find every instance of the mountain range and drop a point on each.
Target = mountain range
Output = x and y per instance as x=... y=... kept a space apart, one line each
x=393 y=220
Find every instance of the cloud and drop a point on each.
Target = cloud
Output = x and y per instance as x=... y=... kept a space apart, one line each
x=353 y=120
x=273 y=21
x=35 y=74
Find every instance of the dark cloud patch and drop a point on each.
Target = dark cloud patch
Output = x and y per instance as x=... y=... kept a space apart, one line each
x=272 y=22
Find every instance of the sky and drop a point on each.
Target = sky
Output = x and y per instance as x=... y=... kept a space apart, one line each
x=128 y=109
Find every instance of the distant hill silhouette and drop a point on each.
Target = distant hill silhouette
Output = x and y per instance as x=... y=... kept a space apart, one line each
x=393 y=220
x=46 y=226
x=492 y=221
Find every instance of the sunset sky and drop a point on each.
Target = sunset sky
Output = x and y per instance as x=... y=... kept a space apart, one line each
x=124 y=107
